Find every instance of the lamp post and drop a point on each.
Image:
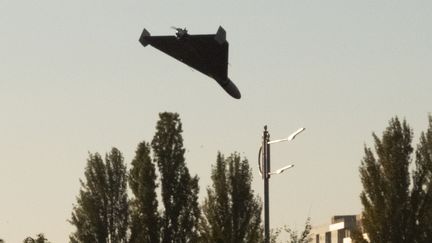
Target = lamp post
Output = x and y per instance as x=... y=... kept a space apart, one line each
x=264 y=166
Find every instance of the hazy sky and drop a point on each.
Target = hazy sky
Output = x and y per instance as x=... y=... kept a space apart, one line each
x=74 y=79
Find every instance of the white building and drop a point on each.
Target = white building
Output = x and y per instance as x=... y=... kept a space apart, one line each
x=338 y=231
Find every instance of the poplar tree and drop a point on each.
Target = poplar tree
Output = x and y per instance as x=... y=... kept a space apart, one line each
x=179 y=190
x=386 y=182
x=101 y=212
x=231 y=212
x=39 y=239
x=144 y=214
x=394 y=210
x=217 y=223
x=421 y=194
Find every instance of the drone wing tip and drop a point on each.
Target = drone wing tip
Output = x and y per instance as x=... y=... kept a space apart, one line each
x=144 y=35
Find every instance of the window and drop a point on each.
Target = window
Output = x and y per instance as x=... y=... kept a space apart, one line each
x=328 y=237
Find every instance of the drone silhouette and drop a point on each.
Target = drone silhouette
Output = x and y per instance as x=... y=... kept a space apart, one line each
x=205 y=53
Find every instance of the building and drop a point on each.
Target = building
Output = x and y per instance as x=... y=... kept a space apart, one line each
x=338 y=231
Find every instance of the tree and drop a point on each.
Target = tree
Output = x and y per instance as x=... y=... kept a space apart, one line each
x=386 y=181
x=179 y=190
x=303 y=237
x=144 y=214
x=231 y=212
x=394 y=211
x=101 y=212
x=217 y=221
x=421 y=194
x=29 y=240
x=40 y=239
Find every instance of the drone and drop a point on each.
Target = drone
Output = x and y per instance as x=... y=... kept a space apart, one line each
x=206 y=53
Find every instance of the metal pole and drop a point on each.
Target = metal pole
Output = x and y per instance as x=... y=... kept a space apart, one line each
x=266 y=170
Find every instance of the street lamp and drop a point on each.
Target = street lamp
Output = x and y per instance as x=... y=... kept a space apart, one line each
x=264 y=166
x=281 y=170
x=290 y=137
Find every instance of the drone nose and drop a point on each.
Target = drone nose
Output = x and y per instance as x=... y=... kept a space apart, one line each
x=232 y=89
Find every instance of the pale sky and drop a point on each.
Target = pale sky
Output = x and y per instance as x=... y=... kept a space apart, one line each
x=74 y=79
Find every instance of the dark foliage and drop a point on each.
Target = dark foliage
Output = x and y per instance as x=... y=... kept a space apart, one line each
x=179 y=190
x=394 y=209
x=231 y=211
x=142 y=181
x=101 y=212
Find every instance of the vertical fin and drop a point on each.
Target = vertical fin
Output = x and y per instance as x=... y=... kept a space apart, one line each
x=220 y=35
x=143 y=36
